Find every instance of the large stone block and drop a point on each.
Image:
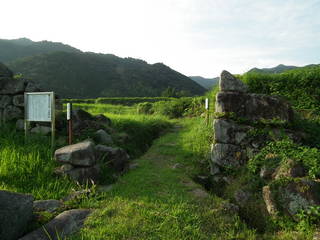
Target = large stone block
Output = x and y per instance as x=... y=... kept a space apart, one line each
x=15 y=214
x=253 y=106
x=82 y=175
x=18 y=100
x=227 y=155
x=227 y=131
x=12 y=86
x=293 y=196
x=12 y=113
x=61 y=226
x=5 y=101
x=116 y=157
x=80 y=154
x=102 y=137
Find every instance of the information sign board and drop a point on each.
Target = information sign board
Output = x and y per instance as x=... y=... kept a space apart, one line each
x=39 y=106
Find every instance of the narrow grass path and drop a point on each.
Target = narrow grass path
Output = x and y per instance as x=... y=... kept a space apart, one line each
x=158 y=199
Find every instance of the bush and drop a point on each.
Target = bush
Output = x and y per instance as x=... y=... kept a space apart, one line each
x=180 y=107
x=300 y=86
x=145 y=108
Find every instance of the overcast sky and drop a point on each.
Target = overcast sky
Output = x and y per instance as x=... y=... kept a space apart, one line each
x=194 y=37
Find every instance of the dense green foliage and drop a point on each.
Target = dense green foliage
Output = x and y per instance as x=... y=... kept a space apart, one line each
x=300 y=86
x=14 y=49
x=91 y=75
x=176 y=108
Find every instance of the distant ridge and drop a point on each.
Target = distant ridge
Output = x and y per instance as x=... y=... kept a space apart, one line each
x=11 y=50
x=207 y=83
x=278 y=69
x=72 y=73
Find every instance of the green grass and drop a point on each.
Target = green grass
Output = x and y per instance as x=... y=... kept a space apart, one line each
x=157 y=201
x=27 y=167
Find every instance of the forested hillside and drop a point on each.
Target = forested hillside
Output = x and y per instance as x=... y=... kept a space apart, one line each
x=207 y=83
x=91 y=75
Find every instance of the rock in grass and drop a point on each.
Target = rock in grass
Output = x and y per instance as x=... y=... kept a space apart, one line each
x=61 y=226
x=117 y=158
x=102 y=137
x=15 y=214
x=47 y=205
x=81 y=154
x=102 y=119
x=43 y=130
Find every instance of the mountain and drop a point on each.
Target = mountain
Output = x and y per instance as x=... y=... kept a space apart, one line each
x=11 y=50
x=91 y=75
x=278 y=69
x=207 y=83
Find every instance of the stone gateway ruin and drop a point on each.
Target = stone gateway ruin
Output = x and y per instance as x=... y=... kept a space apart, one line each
x=240 y=118
x=12 y=95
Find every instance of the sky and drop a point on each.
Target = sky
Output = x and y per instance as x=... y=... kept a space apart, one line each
x=194 y=37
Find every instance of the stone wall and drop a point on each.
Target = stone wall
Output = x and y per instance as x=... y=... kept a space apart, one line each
x=232 y=145
x=12 y=95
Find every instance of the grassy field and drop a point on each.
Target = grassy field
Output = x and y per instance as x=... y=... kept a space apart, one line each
x=156 y=200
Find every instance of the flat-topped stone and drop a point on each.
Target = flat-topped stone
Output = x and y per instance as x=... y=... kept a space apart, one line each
x=81 y=154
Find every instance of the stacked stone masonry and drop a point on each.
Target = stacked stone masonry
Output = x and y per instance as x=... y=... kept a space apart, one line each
x=232 y=146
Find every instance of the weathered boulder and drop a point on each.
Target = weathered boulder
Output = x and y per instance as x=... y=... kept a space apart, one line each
x=253 y=106
x=82 y=175
x=5 y=100
x=230 y=83
x=102 y=119
x=12 y=113
x=293 y=196
x=18 y=100
x=43 y=130
x=47 y=205
x=227 y=155
x=4 y=71
x=12 y=86
x=102 y=137
x=80 y=154
x=15 y=214
x=79 y=115
x=227 y=131
x=116 y=157
x=61 y=226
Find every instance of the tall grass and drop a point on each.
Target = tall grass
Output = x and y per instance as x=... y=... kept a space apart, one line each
x=27 y=166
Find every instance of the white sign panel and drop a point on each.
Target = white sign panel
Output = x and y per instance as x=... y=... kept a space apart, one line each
x=207 y=103
x=39 y=106
x=68 y=111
